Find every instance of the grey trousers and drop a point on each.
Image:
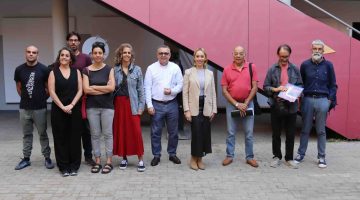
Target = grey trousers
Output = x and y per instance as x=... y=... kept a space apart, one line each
x=28 y=119
x=100 y=121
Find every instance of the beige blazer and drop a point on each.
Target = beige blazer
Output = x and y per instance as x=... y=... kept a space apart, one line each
x=191 y=92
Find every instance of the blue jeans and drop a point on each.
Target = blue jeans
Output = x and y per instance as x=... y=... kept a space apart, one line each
x=168 y=113
x=232 y=127
x=310 y=108
x=100 y=121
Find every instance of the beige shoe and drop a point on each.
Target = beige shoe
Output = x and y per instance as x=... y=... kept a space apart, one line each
x=193 y=163
x=227 y=161
x=200 y=164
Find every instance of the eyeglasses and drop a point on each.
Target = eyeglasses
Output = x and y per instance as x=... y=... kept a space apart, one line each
x=73 y=40
x=284 y=56
x=163 y=53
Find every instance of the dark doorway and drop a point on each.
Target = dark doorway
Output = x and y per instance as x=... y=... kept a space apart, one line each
x=355 y=35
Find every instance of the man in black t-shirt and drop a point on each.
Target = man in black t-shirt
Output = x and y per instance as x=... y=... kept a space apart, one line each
x=31 y=85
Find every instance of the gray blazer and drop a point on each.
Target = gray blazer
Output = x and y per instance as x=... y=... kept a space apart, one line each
x=135 y=86
x=272 y=80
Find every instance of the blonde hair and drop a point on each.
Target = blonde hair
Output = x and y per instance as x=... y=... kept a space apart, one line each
x=202 y=50
x=119 y=51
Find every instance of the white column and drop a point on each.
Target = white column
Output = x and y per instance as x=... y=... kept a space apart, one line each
x=60 y=24
x=288 y=2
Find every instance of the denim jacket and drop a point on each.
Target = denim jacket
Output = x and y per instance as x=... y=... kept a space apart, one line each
x=135 y=86
x=272 y=80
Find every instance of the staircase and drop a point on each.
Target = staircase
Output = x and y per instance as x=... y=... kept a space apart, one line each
x=260 y=26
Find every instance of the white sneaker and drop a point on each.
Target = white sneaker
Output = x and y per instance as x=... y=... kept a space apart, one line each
x=123 y=164
x=141 y=166
x=292 y=164
x=275 y=163
x=322 y=163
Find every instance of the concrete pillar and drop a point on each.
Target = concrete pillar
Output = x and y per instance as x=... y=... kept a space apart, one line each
x=288 y=2
x=60 y=24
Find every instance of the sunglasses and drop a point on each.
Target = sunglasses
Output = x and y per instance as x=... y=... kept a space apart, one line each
x=164 y=53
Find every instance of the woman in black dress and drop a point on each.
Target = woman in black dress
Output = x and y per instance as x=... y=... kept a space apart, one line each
x=65 y=88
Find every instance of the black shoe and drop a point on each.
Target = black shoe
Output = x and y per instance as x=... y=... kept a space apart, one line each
x=49 y=164
x=175 y=159
x=73 y=173
x=90 y=161
x=65 y=173
x=155 y=161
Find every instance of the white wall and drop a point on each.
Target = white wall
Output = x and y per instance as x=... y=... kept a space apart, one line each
x=29 y=22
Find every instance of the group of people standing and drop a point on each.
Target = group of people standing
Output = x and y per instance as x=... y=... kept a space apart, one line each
x=114 y=99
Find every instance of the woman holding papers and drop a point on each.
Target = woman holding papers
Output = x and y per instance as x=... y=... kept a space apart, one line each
x=199 y=99
x=283 y=112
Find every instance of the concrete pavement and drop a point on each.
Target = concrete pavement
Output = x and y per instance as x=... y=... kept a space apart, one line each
x=341 y=180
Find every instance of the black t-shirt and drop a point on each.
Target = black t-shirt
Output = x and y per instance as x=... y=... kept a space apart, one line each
x=33 y=81
x=99 y=77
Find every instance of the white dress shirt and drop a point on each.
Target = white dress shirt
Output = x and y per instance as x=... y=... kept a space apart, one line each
x=159 y=77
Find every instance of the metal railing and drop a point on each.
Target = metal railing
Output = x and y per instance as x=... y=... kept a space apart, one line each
x=331 y=15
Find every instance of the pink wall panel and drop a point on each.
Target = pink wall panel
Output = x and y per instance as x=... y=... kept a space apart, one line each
x=258 y=51
x=353 y=120
x=215 y=25
x=136 y=9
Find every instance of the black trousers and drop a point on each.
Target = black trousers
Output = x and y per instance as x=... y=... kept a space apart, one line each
x=67 y=129
x=86 y=139
x=277 y=124
x=200 y=133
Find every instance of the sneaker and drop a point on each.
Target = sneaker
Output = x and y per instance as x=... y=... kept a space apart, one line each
x=322 y=163
x=22 y=164
x=292 y=164
x=65 y=173
x=123 y=164
x=298 y=159
x=73 y=173
x=275 y=163
x=48 y=163
x=141 y=166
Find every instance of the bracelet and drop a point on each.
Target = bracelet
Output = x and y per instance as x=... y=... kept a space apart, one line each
x=237 y=104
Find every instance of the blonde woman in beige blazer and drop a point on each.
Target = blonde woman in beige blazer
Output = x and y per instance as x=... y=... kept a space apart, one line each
x=199 y=99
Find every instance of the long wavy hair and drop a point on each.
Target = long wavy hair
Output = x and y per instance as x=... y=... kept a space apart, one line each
x=119 y=51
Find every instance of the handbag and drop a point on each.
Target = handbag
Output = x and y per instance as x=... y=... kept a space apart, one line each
x=83 y=103
x=282 y=106
x=83 y=107
x=257 y=109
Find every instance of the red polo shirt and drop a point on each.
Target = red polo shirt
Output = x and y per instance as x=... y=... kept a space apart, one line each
x=238 y=82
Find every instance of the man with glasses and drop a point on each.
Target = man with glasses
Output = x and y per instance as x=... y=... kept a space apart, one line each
x=283 y=112
x=319 y=97
x=73 y=41
x=239 y=89
x=163 y=81
x=31 y=85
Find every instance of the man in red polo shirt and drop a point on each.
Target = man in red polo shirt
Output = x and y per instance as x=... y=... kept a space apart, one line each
x=239 y=93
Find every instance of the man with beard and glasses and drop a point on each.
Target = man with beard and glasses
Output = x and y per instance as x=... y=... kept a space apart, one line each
x=31 y=85
x=319 y=97
x=73 y=41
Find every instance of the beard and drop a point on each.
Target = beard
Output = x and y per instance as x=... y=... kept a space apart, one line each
x=317 y=57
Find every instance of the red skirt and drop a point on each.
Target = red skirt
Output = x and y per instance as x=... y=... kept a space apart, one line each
x=126 y=129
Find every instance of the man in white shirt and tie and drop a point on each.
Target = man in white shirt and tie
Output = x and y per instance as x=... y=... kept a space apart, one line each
x=163 y=81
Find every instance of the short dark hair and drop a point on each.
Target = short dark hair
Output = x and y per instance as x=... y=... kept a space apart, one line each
x=72 y=34
x=101 y=45
x=286 y=47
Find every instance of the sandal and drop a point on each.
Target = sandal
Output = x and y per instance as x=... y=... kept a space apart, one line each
x=96 y=168
x=107 y=169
